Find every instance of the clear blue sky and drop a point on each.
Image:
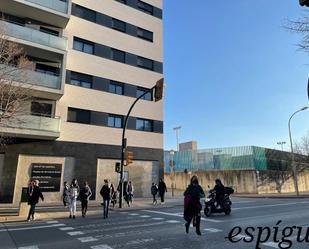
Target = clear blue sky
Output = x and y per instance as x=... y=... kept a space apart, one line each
x=233 y=74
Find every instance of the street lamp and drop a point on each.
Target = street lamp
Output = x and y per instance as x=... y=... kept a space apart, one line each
x=172 y=170
x=177 y=138
x=292 y=151
x=281 y=143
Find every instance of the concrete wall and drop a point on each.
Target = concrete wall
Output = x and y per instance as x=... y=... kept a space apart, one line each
x=141 y=173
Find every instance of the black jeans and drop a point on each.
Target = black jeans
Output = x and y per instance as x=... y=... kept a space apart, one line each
x=105 y=208
x=31 y=211
x=154 y=199
x=162 y=197
x=84 y=206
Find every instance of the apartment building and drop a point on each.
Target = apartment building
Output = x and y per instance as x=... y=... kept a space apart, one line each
x=91 y=59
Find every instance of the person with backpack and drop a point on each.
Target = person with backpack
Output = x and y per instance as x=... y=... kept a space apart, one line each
x=73 y=193
x=84 y=195
x=105 y=193
x=192 y=204
x=154 y=191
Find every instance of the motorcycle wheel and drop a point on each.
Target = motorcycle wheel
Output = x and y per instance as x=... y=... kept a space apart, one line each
x=227 y=211
x=207 y=211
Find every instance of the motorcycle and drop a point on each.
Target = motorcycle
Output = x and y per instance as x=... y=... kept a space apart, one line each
x=211 y=205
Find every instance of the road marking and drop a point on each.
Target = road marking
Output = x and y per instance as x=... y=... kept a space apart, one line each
x=145 y=216
x=276 y=245
x=178 y=215
x=52 y=222
x=241 y=237
x=103 y=246
x=157 y=218
x=213 y=230
x=173 y=221
x=274 y=205
x=87 y=239
x=28 y=247
x=66 y=228
x=133 y=214
x=75 y=233
x=31 y=228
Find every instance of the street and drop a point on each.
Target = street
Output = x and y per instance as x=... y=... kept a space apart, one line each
x=162 y=227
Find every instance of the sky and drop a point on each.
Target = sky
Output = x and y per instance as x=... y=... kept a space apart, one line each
x=233 y=73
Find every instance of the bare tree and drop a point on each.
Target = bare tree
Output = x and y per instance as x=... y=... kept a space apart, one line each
x=14 y=91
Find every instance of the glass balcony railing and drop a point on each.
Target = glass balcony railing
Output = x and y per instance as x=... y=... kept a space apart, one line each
x=58 y=5
x=30 y=77
x=39 y=123
x=33 y=35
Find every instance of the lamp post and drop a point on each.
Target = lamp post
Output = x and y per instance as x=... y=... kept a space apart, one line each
x=281 y=143
x=172 y=170
x=177 y=138
x=292 y=151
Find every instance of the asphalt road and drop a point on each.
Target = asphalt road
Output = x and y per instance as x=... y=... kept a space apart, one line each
x=163 y=228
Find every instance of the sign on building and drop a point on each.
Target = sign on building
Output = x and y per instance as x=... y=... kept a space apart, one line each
x=49 y=176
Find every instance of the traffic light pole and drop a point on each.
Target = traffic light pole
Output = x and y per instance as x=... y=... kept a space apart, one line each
x=123 y=143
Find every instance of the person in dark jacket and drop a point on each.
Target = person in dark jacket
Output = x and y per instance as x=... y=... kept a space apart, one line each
x=113 y=195
x=154 y=191
x=220 y=190
x=192 y=204
x=105 y=193
x=84 y=195
x=162 y=190
x=34 y=193
x=66 y=194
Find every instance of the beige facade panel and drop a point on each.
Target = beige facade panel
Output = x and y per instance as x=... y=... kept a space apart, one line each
x=124 y=12
x=74 y=132
x=106 y=36
x=109 y=69
x=89 y=99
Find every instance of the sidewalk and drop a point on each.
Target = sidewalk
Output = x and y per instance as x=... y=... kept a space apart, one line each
x=54 y=211
x=302 y=195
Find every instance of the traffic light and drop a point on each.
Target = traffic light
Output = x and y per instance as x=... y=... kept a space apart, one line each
x=304 y=3
x=159 y=90
x=117 y=167
x=129 y=157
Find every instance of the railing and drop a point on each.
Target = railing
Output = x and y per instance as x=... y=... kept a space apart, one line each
x=30 y=77
x=31 y=122
x=33 y=35
x=61 y=6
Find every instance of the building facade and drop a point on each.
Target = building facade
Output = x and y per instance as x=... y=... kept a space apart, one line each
x=91 y=59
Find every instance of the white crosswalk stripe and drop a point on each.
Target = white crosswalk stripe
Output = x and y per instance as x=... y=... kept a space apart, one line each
x=104 y=246
x=213 y=230
x=66 y=228
x=52 y=222
x=87 y=239
x=173 y=221
x=145 y=216
x=28 y=247
x=157 y=218
x=75 y=233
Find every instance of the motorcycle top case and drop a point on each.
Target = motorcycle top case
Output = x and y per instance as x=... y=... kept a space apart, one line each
x=228 y=190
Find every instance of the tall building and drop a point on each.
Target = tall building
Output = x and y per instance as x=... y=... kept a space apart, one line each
x=90 y=60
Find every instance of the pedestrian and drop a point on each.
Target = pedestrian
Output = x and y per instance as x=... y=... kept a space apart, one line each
x=113 y=195
x=162 y=189
x=124 y=191
x=34 y=193
x=105 y=193
x=84 y=195
x=66 y=195
x=130 y=192
x=154 y=191
x=73 y=192
x=192 y=204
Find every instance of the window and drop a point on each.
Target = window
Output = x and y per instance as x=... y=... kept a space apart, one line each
x=118 y=25
x=46 y=69
x=84 y=13
x=147 y=96
x=145 y=34
x=83 y=45
x=78 y=116
x=145 y=7
x=83 y=80
x=118 y=55
x=41 y=109
x=114 y=121
x=115 y=87
x=49 y=31
x=144 y=125
x=145 y=63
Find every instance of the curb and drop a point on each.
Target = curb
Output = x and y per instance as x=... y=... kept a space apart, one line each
x=272 y=197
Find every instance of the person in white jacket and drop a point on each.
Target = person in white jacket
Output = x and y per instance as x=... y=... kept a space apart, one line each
x=73 y=192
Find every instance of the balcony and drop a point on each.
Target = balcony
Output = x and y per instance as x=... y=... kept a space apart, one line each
x=30 y=77
x=33 y=35
x=54 y=12
x=30 y=126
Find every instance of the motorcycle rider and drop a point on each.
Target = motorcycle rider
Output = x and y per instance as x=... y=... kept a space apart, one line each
x=219 y=188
